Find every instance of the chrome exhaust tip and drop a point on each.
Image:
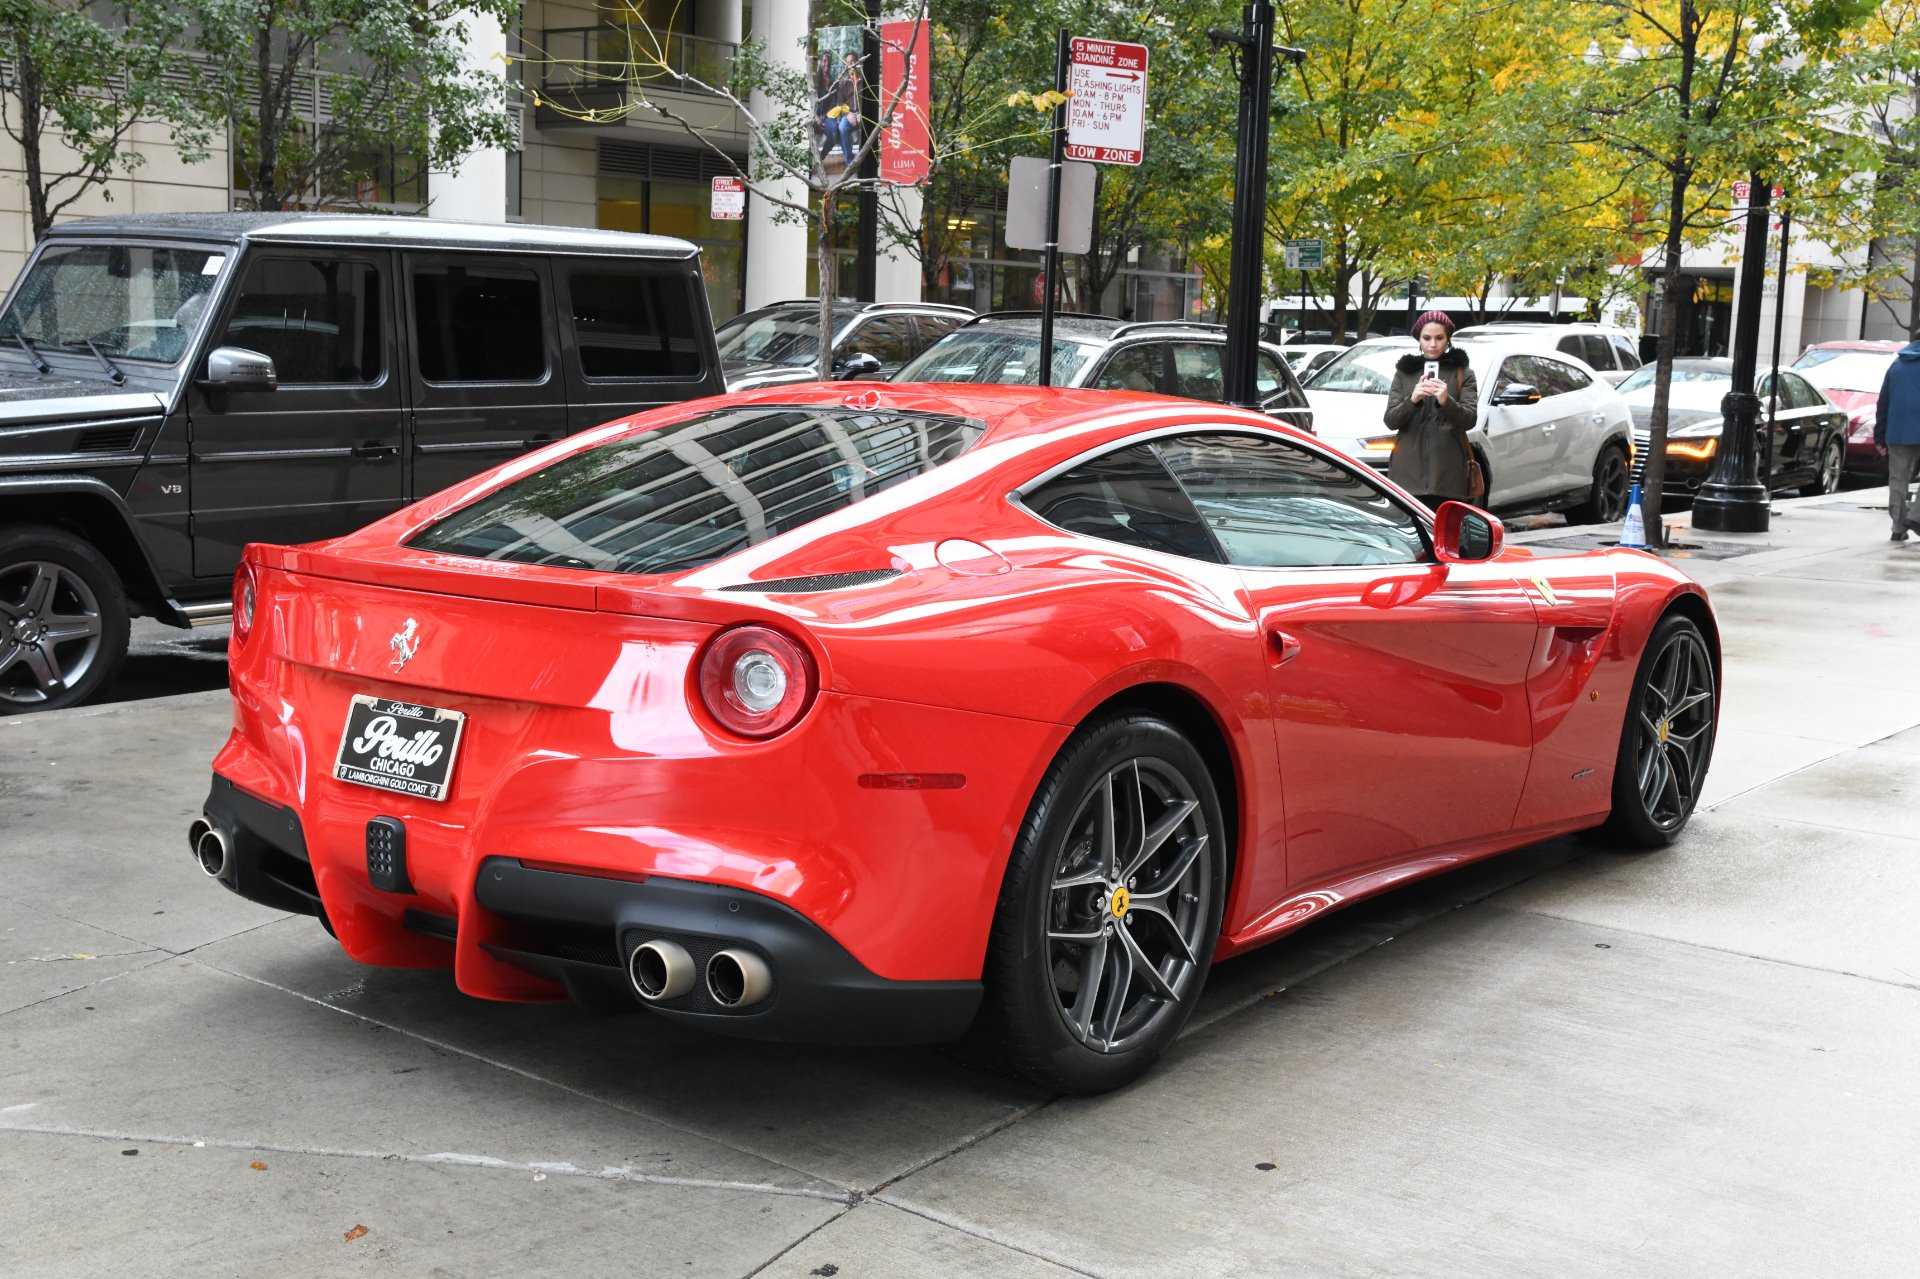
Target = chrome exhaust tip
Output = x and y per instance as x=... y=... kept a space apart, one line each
x=195 y=831
x=210 y=850
x=660 y=970
x=738 y=978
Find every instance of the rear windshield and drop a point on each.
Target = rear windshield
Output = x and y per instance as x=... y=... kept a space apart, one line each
x=681 y=496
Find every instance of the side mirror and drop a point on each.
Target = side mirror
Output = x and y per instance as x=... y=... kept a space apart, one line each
x=234 y=368
x=1518 y=393
x=1465 y=534
x=858 y=367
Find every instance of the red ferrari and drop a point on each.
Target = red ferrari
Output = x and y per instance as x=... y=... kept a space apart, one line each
x=865 y=713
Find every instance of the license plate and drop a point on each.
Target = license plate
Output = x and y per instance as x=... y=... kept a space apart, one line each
x=401 y=747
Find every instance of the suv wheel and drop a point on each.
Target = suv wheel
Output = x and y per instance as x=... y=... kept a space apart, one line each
x=1607 y=502
x=63 y=620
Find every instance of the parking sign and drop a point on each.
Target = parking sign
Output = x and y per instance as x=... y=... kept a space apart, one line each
x=1107 y=101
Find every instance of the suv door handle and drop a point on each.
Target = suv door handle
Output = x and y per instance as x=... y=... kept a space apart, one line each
x=373 y=450
x=533 y=442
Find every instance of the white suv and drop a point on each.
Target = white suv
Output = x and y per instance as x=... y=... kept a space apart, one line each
x=1550 y=434
x=1611 y=353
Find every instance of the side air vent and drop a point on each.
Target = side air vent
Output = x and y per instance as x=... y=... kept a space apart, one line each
x=819 y=582
x=107 y=439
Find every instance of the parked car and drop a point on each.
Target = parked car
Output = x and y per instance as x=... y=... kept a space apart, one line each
x=856 y=718
x=781 y=343
x=1308 y=358
x=1550 y=435
x=1801 y=446
x=1611 y=353
x=176 y=386
x=1850 y=375
x=1171 y=357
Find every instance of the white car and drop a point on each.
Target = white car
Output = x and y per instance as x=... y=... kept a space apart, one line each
x=1308 y=358
x=1611 y=353
x=1550 y=434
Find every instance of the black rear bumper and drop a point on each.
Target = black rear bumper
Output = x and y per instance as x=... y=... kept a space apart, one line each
x=580 y=928
x=268 y=862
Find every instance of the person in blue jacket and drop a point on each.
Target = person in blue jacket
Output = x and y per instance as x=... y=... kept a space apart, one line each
x=1896 y=427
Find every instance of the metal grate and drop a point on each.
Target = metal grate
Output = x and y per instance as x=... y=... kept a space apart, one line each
x=663 y=163
x=818 y=582
x=107 y=439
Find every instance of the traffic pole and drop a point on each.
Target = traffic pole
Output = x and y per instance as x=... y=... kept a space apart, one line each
x=1247 y=264
x=1052 y=267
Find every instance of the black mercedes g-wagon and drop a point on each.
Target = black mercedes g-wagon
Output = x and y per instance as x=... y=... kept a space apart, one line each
x=173 y=387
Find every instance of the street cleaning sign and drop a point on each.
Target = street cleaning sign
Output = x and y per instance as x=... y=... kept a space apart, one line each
x=729 y=200
x=1106 y=101
x=1304 y=255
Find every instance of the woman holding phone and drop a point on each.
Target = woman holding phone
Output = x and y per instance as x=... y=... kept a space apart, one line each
x=1431 y=406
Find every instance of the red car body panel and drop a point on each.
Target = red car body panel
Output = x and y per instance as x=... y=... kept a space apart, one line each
x=1428 y=713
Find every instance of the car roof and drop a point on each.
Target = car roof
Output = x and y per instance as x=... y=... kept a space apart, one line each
x=1879 y=346
x=376 y=229
x=1099 y=328
x=1561 y=326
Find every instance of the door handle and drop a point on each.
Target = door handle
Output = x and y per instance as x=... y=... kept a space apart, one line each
x=1548 y=428
x=1599 y=419
x=372 y=450
x=1285 y=647
x=533 y=442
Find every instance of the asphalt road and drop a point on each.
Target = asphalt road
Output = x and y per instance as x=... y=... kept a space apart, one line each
x=1563 y=1061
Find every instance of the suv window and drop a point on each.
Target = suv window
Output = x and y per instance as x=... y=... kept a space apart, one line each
x=888 y=338
x=1125 y=496
x=1558 y=377
x=478 y=323
x=682 y=495
x=1573 y=344
x=1596 y=352
x=1624 y=352
x=1197 y=373
x=1132 y=368
x=1273 y=389
x=1271 y=504
x=935 y=325
x=1513 y=370
x=318 y=318
x=629 y=323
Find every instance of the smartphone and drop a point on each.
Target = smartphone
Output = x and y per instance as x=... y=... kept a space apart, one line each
x=1433 y=368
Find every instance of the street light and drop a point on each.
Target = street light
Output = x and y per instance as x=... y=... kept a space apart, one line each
x=1734 y=500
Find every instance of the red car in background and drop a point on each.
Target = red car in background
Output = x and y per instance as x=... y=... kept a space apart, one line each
x=857 y=713
x=1851 y=373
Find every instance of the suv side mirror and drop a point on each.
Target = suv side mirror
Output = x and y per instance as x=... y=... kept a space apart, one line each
x=234 y=368
x=858 y=367
x=1464 y=534
x=1518 y=393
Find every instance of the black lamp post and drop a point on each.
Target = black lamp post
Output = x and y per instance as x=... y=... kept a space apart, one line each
x=1247 y=267
x=1734 y=500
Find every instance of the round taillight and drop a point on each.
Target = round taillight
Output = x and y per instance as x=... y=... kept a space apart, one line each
x=755 y=681
x=243 y=599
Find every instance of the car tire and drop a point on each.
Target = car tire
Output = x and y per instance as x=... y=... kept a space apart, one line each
x=1833 y=465
x=1100 y=946
x=1666 y=740
x=1607 y=502
x=53 y=583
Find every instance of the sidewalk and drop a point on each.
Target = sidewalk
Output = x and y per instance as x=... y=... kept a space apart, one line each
x=1564 y=1061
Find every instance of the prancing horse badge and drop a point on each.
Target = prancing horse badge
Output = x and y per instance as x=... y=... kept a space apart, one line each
x=404 y=644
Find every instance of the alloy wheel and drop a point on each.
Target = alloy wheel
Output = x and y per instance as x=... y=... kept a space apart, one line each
x=1130 y=899
x=50 y=631
x=1830 y=464
x=1675 y=729
x=1610 y=487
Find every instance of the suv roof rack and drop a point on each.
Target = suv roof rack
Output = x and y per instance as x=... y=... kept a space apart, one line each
x=1036 y=314
x=873 y=306
x=1137 y=325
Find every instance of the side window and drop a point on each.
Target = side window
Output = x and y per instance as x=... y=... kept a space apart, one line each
x=629 y=323
x=1196 y=371
x=1800 y=392
x=1514 y=369
x=1273 y=388
x=318 y=318
x=888 y=338
x=933 y=327
x=478 y=323
x=1125 y=496
x=1132 y=368
x=1271 y=504
x=1623 y=350
x=1595 y=351
x=1564 y=377
x=1572 y=344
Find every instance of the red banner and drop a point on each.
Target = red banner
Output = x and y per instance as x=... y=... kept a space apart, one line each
x=905 y=58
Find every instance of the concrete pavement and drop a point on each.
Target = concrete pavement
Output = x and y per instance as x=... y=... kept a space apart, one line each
x=1565 y=1060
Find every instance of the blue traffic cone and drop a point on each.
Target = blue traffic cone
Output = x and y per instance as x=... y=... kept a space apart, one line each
x=1633 y=530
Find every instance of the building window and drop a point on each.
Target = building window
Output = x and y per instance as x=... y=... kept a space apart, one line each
x=669 y=191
